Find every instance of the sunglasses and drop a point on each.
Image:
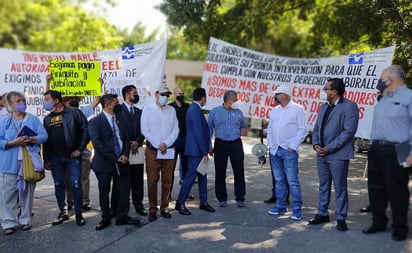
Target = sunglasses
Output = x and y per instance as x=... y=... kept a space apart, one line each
x=165 y=94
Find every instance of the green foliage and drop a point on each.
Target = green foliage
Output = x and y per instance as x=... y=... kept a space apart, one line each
x=299 y=28
x=52 y=25
x=136 y=35
x=178 y=47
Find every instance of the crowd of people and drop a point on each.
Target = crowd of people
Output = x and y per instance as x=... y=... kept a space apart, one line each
x=127 y=140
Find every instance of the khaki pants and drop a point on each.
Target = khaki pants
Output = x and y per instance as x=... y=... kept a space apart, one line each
x=155 y=168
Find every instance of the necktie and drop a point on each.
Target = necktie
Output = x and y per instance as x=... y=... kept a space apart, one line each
x=131 y=110
x=117 y=149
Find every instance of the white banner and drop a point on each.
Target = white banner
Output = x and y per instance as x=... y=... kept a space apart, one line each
x=255 y=75
x=26 y=71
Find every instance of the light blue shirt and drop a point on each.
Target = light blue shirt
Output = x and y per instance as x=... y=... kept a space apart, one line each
x=226 y=123
x=8 y=157
x=392 y=117
x=88 y=111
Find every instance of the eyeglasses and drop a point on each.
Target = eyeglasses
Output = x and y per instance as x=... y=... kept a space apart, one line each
x=165 y=94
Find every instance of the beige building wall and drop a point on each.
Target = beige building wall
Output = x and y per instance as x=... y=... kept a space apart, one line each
x=182 y=69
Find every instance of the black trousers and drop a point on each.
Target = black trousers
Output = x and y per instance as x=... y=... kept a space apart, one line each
x=104 y=183
x=137 y=185
x=120 y=204
x=234 y=151
x=388 y=182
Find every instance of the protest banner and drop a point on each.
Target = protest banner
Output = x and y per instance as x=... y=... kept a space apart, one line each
x=26 y=71
x=75 y=78
x=255 y=76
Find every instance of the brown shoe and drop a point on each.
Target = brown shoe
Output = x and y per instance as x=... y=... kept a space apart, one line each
x=9 y=231
x=25 y=227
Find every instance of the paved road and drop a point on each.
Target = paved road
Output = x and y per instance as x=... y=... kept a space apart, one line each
x=230 y=229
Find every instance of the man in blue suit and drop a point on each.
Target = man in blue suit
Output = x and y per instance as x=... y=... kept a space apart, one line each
x=197 y=147
x=111 y=145
x=332 y=140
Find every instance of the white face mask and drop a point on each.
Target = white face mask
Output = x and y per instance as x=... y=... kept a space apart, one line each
x=236 y=105
x=323 y=96
x=163 y=100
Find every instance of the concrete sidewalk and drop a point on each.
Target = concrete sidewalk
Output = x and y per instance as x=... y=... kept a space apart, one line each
x=230 y=229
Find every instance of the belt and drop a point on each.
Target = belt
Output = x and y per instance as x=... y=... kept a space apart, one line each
x=220 y=140
x=149 y=145
x=384 y=143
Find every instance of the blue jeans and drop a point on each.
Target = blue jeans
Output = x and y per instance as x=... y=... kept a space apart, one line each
x=59 y=166
x=286 y=171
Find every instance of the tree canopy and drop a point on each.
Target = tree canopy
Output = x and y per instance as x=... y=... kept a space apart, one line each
x=299 y=28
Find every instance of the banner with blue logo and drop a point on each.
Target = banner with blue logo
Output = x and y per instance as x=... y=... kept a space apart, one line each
x=26 y=71
x=256 y=75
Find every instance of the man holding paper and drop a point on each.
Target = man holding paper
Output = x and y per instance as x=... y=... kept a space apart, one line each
x=197 y=147
x=130 y=116
x=160 y=127
x=387 y=177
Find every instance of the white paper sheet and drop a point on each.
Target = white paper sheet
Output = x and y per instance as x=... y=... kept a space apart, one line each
x=203 y=166
x=170 y=154
x=137 y=158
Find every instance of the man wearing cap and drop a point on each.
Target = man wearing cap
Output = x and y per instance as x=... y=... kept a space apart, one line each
x=159 y=125
x=332 y=140
x=286 y=130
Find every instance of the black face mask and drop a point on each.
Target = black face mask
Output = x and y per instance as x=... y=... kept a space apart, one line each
x=75 y=104
x=180 y=98
x=117 y=108
x=381 y=86
x=135 y=100
x=379 y=97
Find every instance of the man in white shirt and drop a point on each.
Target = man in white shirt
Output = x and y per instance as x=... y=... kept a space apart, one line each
x=159 y=125
x=286 y=130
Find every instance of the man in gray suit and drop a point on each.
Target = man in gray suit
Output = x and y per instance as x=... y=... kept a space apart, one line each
x=332 y=137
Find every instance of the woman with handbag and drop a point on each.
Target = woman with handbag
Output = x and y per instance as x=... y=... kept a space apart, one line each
x=19 y=131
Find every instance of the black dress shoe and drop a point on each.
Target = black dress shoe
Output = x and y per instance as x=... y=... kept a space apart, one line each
x=182 y=209
x=373 y=229
x=190 y=197
x=270 y=200
x=165 y=214
x=103 y=224
x=366 y=209
x=127 y=221
x=80 y=220
x=86 y=207
x=207 y=208
x=342 y=225
x=141 y=212
x=318 y=219
x=63 y=216
x=152 y=216
x=399 y=236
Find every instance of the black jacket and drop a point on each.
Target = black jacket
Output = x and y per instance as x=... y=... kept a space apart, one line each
x=75 y=131
x=133 y=130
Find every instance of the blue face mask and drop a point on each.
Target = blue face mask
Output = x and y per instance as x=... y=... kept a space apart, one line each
x=381 y=86
x=21 y=107
x=48 y=106
x=163 y=100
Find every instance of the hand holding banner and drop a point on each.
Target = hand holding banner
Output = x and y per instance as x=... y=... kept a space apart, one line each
x=75 y=78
